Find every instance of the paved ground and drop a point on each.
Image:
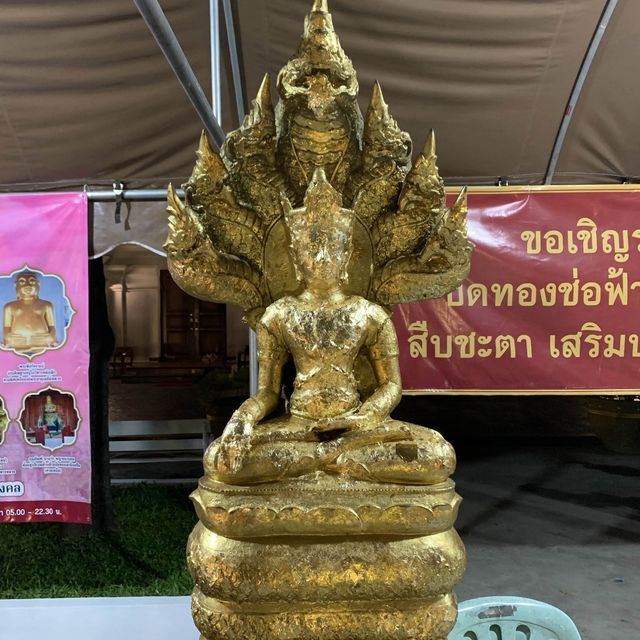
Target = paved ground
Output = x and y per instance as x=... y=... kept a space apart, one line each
x=555 y=520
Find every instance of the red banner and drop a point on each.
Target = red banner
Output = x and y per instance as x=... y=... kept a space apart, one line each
x=551 y=304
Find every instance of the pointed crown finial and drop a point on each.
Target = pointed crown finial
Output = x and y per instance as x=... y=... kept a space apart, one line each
x=378 y=111
x=319 y=38
x=320 y=189
x=321 y=6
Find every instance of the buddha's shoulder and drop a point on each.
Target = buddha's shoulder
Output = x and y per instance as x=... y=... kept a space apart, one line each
x=377 y=314
x=277 y=310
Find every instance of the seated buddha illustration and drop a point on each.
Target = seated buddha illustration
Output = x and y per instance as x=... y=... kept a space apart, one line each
x=4 y=420
x=29 y=324
x=330 y=426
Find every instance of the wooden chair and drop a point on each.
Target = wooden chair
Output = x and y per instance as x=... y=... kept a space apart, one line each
x=122 y=359
x=511 y=618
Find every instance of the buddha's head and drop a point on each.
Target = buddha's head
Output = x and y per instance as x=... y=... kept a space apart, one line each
x=49 y=406
x=320 y=234
x=4 y=418
x=27 y=285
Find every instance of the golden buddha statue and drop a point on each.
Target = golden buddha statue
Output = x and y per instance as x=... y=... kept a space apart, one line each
x=332 y=521
x=329 y=427
x=29 y=324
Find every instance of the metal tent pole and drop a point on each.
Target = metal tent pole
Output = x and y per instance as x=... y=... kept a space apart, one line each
x=166 y=39
x=577 y=88
x=142 y=195
x=214 y=34
x=235 y=59
x=240 y=102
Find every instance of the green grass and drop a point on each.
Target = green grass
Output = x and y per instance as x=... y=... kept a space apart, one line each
x=145 y=555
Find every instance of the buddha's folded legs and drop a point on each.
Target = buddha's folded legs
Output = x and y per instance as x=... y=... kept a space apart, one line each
x=396 y=452
x=426 y=458
x=267 y=462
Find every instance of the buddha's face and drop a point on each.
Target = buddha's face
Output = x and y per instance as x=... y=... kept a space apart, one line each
x=323 y=264
x=27 y=287
x=49 y=408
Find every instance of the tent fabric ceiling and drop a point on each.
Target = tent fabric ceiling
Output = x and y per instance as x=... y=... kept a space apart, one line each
x=86 y=96
x=600 y=142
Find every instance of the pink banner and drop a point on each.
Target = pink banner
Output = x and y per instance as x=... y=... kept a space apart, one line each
x=551 y=304
x=45 y=456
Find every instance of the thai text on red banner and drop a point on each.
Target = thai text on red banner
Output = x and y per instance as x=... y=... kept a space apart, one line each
x=551 y=304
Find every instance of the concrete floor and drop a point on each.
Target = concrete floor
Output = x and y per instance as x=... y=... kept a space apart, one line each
x=556 y=520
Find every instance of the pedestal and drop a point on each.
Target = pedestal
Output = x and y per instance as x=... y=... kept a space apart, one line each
x=323 y=558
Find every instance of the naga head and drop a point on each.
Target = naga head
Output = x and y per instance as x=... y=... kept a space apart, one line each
x=320 y=64
x=382 y=137
x=259 y=125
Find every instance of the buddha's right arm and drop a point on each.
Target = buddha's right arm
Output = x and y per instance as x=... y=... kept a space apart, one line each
x=7 y=322
x=271 y=358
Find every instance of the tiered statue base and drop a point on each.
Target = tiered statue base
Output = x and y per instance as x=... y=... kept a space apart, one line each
x=324 y=558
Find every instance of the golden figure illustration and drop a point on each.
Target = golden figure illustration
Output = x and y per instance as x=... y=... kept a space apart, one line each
x=332 y=521
x=29 y=323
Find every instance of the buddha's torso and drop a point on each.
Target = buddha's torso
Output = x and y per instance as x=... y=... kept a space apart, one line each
x=324 y=341
x=28 y=322
x=51 y=420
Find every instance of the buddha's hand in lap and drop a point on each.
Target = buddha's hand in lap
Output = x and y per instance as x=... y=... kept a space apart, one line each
x=235 y=442
x=353 y=422
x=365 y=427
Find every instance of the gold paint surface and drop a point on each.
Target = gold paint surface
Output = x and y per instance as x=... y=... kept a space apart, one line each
x=332 y=521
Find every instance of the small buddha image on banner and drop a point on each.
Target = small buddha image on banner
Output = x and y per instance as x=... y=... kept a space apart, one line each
x=36 y=313
x=45 y=450
x=49 y=419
